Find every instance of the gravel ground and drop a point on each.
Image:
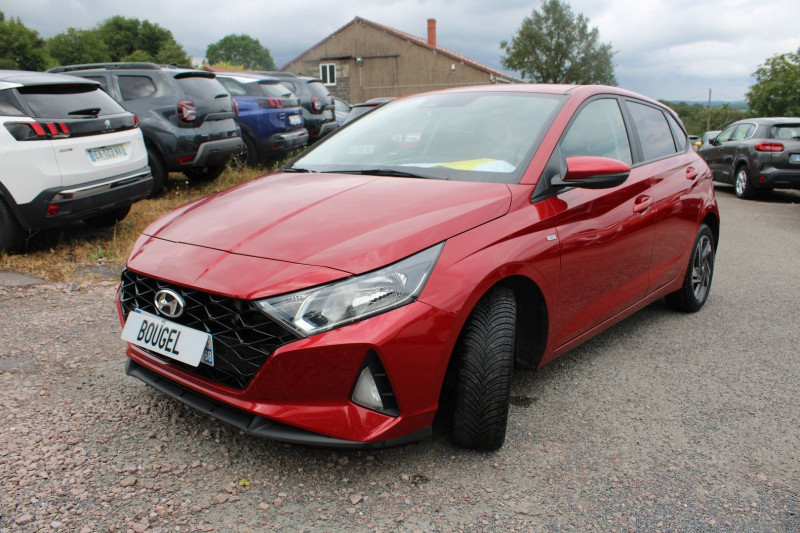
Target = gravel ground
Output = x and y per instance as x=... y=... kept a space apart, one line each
x=666 y=422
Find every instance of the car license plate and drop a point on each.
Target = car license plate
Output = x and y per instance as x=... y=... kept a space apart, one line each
x=106 y=152
x=794 y=158
x=294 y=120
x=167 y=338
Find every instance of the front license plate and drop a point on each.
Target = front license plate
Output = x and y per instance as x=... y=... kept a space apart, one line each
x=794 y=158
x=294 y=120
x=106 y=152
x=167 y=338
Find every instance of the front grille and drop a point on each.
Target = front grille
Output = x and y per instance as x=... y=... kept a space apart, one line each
x=244 y=337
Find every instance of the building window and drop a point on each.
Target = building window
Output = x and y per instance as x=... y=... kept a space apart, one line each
x=327 y=73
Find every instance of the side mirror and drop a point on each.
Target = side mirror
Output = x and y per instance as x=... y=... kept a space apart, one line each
x=591 y=172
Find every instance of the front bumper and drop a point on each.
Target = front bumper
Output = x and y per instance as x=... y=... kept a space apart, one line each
x=302 y=392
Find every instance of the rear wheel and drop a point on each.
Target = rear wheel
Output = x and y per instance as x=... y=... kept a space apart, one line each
x=158 y=171
x=485 y=362
x=12 y=236
x=744 y=189
x=249 y=156
x=209 y=173
x=108 y=219
x=697 y=281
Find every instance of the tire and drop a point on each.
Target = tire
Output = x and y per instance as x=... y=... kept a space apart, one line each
x=203 y=174
x=12 y=236
x=741 y=184
x=485 y=362
x=159 y=172
x=249 y=156
x=108 y=219
x=697 y=281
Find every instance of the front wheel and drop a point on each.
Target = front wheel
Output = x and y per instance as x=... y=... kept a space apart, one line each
x=201 y=174
x=744 y=189
x=485 y=362
x=697 y=281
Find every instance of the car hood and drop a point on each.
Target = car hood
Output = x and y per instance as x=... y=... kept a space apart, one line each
x=350 y=223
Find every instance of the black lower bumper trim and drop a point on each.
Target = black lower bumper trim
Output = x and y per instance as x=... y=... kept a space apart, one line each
x=254 y=425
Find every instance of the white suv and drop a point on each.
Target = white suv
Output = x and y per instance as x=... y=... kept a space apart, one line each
x=68 y=152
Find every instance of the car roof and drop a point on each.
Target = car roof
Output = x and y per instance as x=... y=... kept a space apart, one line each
x=248 y=78
x=174 y=69
x=25 y=78
x=769 y=121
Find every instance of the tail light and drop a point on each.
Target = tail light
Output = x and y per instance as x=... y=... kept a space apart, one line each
x=186 y=111
x=35 y=131
x=236 y=107
x=769 y=147
x=135 y=120
x=316 y=105
x=271 y=103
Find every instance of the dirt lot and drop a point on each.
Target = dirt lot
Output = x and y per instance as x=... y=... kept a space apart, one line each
x=666 y=422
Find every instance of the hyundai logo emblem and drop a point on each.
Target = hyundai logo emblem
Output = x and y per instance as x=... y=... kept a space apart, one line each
x=169 y=303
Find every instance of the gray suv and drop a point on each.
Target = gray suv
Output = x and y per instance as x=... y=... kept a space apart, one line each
x=187 y=117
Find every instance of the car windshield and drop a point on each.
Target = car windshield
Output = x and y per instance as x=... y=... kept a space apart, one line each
x=470 y=136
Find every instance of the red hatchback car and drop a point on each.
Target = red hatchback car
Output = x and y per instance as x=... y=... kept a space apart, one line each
x=425 y=250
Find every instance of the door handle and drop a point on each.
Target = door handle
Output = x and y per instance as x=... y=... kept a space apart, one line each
x=691 y=173
x=642 y=204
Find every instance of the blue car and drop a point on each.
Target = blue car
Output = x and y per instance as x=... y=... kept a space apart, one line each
x=269 y=115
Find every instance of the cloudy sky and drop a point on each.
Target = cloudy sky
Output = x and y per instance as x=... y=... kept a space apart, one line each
x=668 y=49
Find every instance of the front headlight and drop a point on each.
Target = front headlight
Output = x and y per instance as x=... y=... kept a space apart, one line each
x=319 y=309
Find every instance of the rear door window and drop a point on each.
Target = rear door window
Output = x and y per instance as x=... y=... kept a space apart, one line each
x=678 y=135
x=655 y=134
x=68 y=101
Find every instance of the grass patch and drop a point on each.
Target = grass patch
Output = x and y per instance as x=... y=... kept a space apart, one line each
x=79 y=252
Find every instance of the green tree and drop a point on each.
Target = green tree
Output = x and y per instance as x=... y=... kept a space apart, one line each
x=21 y=47
x=555 y=46
x=135 y=40
x=77 y=46
x=696 y=116
x=776 y=92
x=240 y=50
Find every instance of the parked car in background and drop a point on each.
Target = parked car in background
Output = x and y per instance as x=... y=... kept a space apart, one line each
x=187 y=116
x=68 y=152
x=365 y=107
x=756 y=154
x=428 y=248
x=270 y=117
x=317 y=102
x=706 y=138
x=341 y=109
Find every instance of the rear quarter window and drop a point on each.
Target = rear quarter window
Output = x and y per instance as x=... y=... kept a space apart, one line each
x=136 y=87
x=319 y=90
x=68 y=101
x=655 y=134
x=8 y=105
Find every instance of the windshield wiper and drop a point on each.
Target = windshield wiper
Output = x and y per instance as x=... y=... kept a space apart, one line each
x=383 y=172
x=89 y=111
x=295 y=169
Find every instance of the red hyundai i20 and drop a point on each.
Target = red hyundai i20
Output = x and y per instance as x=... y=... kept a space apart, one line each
x=426 y=250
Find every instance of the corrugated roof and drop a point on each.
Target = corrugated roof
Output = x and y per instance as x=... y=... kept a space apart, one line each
x=420 y=41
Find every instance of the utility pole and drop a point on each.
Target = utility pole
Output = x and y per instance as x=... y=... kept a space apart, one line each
x=708 y=120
